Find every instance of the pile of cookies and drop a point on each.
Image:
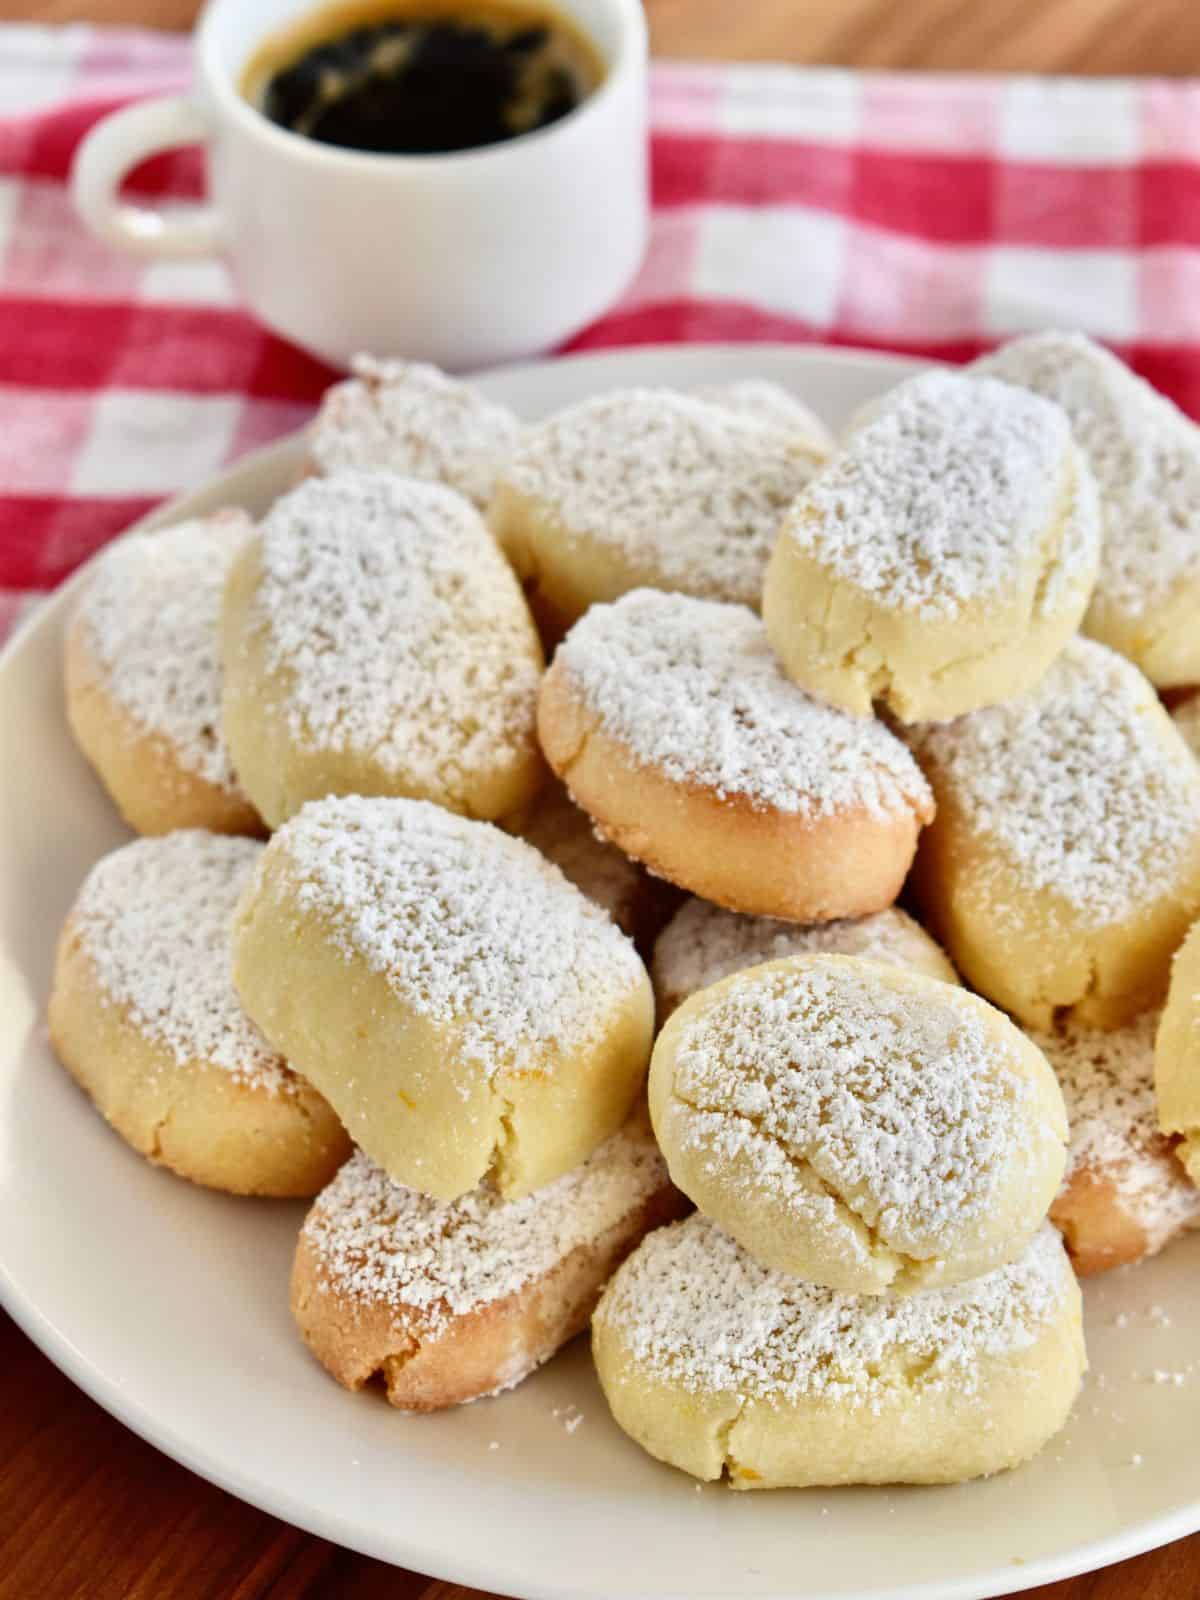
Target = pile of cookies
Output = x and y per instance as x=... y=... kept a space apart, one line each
x=381 y=941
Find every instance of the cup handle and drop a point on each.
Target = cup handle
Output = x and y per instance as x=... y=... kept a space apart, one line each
x=111 y=150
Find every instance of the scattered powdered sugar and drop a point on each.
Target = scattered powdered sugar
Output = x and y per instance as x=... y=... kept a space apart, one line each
x=704 y=943
x=155 y=920
x=1186 y=717
x=469 y=926
x=945 y=496
x=400 y=624
x=410 y=418
x=695 y=1308
x=693 y=689
x=902 y=1100
x=1144 y=454
x=764 y=401
x=151 y=615
x=378 y=1241
x=690 y=494
x=564 y=834
x=1076 y=784
x=1107 y=1082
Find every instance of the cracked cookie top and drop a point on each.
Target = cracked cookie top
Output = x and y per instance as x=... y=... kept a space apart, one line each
x=376 y=1240
x=410 y=418
x=1082 y=783
x=692 y=1307
x=949 y=494
x=155 y=920
x=149 y=617
x=888 y=1118
x=471 y=928
x=693 y=690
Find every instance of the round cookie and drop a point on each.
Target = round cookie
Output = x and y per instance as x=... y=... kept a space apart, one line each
x=1063 y=867
x=375 y=642
x=674 y=727
x=637 y=903
x=467 y=1011
x=144 y=1016
x=1177 y=1055
x=645 y=487
x=1145 y=458
x=448 y=1301
x=764 y=401
x=858 y=1125
x=942 y=559
x=723 y=1368
x=143 y=677
x=1125 y=1194
x=410 y=418
x=703 y=944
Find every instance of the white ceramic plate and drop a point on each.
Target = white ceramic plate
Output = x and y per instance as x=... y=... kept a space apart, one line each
x=169 y=1305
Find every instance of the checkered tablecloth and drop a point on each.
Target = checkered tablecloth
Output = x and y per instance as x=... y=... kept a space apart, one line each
x=927 y=214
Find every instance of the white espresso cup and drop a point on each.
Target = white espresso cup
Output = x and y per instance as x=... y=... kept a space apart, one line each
x=464 y=259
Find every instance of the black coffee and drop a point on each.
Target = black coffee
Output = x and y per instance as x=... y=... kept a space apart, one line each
x=424 y=79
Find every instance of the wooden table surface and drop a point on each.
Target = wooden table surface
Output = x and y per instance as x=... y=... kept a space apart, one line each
x=89 y=1512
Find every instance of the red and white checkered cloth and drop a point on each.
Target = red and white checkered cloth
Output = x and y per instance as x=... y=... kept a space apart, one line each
x=928 y=214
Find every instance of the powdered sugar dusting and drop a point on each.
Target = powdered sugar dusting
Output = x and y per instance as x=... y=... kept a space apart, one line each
x=944 y=497
x=689 y=494
x=1144 y=454
x=693 y=689
x=1077 y=783
x=704 y=943
x=410 y=418
x=1107 y=1081
x=694 y=1307
x=764 y=401
x=378 y=1241
x=150 y=616
x=401 y=626
x=155 y=920
x=908 y=1108
x=469 y=926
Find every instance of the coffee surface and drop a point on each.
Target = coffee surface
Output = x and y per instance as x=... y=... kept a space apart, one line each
x=424 y=80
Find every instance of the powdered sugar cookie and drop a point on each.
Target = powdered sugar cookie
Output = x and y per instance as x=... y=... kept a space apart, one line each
x=143 y=677
x=673 y=725
x=1063 y=867
x=451 y=1300
x=942 y=559
x=764 y=401
x=703 y=944
x=723 y=1368
x=645 y=487
x=637 y=903
x=467 y=1011
x=1145 y=457
x=1125 y=1194
x=144 y=1016
x=411 y=419
x=375 y=642
x=1177 y=1055
x=859 y=1125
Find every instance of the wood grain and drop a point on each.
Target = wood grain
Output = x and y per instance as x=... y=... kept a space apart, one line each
x=90 y=1512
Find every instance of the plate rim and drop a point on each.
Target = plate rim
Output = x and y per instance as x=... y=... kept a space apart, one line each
x=458 y=1566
